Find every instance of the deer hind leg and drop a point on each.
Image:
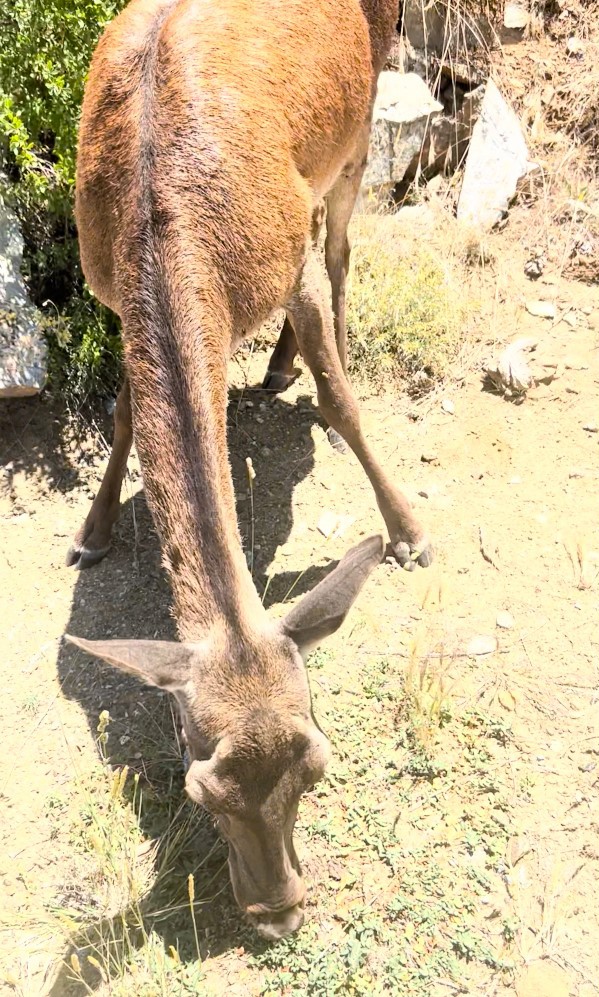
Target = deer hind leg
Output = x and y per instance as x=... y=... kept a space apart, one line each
x=92 y=540
x=340 y=205
x=280 y=373
x=310 y=312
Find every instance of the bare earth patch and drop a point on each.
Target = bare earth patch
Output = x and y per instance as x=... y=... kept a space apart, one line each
x=453 y=846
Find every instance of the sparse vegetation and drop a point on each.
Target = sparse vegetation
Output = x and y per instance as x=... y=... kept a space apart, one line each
x=406 y=312
x=396 y=919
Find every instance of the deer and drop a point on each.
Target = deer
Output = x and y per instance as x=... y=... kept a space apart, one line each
x=214 y=135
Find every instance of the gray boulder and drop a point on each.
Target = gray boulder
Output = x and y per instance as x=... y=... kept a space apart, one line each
x=403 y=109
x=497 y=159
x=23 y=350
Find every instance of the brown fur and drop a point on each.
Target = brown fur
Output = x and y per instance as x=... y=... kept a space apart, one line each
x=211 y=132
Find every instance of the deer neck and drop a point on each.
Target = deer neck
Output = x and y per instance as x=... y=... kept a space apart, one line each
x=179 y=392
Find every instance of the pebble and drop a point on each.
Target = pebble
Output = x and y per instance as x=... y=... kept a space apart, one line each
x=504 y=620
x=331 y=524
x=570 y=318
x=591 y=427
x=483 y=644
x=448 y=406
x=541 y=309
x=576 y=472
x=429 y=458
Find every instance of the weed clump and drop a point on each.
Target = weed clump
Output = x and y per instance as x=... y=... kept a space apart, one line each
x=405 y=311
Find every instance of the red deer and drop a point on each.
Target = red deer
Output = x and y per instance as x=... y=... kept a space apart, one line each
x=212 y=132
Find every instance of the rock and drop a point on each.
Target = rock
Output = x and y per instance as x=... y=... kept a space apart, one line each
x=515 y=15
x=424 y=27
x=22 y=346
x=483 y=644
x=402 y=111
x=577 y=472
x=534 y=267
x=591 y=427
x=448 y=135
x=570 y=318
x=429 y=41
x=496 y=160
x=331 y=524
x=575 y=47
x=510 y=373
x=448 y=406
x=429 y=458
x=504 y=620
x=541 y=309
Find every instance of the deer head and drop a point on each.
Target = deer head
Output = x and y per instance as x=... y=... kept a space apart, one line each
x=253 y=742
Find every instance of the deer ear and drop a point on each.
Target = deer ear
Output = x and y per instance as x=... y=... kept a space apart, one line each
x=324 y=609
x=157 y=662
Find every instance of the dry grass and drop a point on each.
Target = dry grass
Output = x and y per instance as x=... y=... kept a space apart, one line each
x=406 y=309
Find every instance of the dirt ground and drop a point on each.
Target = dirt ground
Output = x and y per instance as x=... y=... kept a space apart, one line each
x=509 y=494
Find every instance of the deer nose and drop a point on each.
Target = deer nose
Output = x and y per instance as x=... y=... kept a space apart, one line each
x=274 y=926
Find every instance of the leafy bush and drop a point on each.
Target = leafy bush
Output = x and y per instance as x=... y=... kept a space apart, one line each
x=45 y=53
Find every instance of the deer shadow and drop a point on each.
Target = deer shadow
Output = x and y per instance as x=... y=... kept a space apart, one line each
x=127 y=595
x=34 y=438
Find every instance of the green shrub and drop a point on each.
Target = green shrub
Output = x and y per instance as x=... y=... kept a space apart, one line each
x=44 y=56
x=405 y=311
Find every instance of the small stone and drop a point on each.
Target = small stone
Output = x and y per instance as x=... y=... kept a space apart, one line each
x=448 y=406
x=515 y=480
x=541 y=309
x=587 y=309
x=571 y=319
x=429 y=458
x=575 y=47
x=332 y=525
x=515 y=15
x=423 y=494
x=591 y=427
x=504 y=620
x=534 y=267
x=577 y=472
x=483 y=644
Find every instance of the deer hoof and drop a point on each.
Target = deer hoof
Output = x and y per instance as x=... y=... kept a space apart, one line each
x=84 y=557
x=276 y=382
x=409 y=555
x=336 y=440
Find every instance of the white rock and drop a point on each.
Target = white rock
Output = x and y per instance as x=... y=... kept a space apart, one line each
x=402 y=110
x=331 y=524
x=515 y=15
x=504 y=620
x=510 y=371
x=541 y=309
x=496 y=161
x=22 y=346
x=448 y=406
x=483 y=644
